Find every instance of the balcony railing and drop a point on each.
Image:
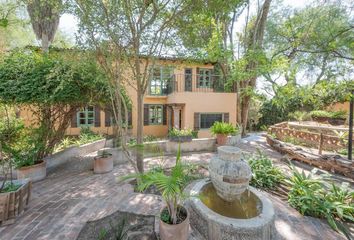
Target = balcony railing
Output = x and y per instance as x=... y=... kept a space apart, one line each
x=188 y=83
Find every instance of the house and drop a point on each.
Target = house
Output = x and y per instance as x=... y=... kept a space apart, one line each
x=181 y=94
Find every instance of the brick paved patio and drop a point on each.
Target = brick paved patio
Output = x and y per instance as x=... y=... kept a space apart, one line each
x=63 y=202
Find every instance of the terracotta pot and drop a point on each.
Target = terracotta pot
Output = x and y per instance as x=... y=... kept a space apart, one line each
x=35 y=172
x=221 y=139
x=103 y=163
x=321 y=119
x=336 y=121
x=177 y=231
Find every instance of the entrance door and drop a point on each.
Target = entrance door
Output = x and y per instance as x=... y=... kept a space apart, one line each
x=188 y=79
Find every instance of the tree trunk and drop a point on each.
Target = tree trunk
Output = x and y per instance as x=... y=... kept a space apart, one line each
x=140 y=134
x=45 y=43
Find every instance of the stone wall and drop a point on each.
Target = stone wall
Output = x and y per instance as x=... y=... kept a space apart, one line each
x=311 y=139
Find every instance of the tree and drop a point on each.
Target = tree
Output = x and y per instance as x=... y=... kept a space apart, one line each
x=52 y=87
x=45 y=15
x=131 y=35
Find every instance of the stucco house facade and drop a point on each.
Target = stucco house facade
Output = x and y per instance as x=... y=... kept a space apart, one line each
x=181 y=94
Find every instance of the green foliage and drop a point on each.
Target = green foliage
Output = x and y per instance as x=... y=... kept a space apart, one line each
x=86 y=136
x=174 y=132
x=28 y=77
x=52 y=86
x=170 y=185
x=147 y=138
x=300 y=116
x=10 y=187
x=328 y=114
x=223 y=128
x=314 y=197
x=264 y=174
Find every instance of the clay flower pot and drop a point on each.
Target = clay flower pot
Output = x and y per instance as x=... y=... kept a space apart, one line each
x=103 y=163
x=35 y=172
x=221 y=139
x=175 y=231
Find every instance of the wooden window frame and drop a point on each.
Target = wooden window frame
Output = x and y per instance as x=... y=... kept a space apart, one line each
x=86 y=118
x=206 y=84
x=155 y=114
x=213 y=113
x=160 y=83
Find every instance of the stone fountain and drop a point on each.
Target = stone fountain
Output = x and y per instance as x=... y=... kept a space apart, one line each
x=226 y=207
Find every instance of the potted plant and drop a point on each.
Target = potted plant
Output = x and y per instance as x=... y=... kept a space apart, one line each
x=320 y=116
x=174 y=217
x=103 y=162
x=222 y=130
x=235 y=137
x=184 y=135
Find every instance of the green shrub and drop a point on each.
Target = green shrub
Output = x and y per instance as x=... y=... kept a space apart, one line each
x=223 y=128
x=264 y=174
x=300 y=116
x=174 y=132
x=329 y=114
x=313 y=197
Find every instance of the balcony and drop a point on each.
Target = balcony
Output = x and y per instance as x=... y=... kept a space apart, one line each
x=188 y=83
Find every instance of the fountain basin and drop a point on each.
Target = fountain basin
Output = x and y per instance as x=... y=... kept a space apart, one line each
x=215 y=224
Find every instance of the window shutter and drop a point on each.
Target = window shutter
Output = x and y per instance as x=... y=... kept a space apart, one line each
x=74 y=119
x=97 y=116
x=226 y=117
x=197 y=78
x=146 y=114
x=130 y=118
x=164 y=115
x=107 y=117
x=196 y=121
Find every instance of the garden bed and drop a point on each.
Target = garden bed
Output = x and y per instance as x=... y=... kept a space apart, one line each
x=332 y=163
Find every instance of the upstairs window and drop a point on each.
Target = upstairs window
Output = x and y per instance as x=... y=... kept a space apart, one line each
x=161 y=76
x=204 y=78
x=86 y=117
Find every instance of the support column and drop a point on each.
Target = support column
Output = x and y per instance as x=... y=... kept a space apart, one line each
x=176 y=111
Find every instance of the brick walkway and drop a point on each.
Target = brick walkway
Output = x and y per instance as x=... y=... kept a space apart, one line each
x=63 y=202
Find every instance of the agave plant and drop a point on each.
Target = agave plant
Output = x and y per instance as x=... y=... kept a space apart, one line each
x=170 y=185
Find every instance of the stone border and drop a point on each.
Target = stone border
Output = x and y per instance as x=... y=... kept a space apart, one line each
x=69 y=153
x=215 y=226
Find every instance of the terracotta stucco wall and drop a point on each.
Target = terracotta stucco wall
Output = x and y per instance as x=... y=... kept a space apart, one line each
x=340 y=107
x=202 y=102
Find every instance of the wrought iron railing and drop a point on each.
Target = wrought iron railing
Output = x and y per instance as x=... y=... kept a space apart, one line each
x=189 y=83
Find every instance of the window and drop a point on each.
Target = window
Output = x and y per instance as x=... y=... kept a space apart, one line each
x=161 y=76
x=155 y=114
x=207 y=119
x=204 y=78
x=86 y=116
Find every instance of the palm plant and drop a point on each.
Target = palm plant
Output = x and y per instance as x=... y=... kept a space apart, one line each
x=170 y=185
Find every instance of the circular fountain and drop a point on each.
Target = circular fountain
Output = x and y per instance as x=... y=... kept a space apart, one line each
x=226 y=207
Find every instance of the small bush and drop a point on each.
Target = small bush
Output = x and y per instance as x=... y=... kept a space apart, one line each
x=335 y=115
x=300 y=116
x=314 y=197
x=264 y=174
x=174 y=132
x=223 y=128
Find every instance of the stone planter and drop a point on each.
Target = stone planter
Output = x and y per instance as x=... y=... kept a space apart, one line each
x=180 y=138
x=221 y=139
x=35 y=172
x=12 y=204
x=336 y=121
x=103 y=163
x=229 y=173
x=176 y=232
